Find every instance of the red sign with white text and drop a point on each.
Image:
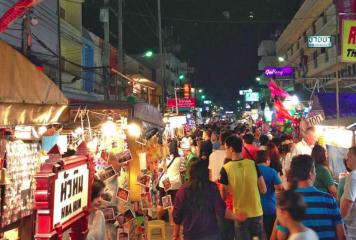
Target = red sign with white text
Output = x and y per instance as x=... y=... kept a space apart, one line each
x=182 y=102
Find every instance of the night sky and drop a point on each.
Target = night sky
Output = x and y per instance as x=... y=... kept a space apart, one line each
x=217 y=37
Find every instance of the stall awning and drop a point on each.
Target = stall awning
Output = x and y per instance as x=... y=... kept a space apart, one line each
x=27 y=95
x=326 y=102
x=97 y=111
x=148 y=113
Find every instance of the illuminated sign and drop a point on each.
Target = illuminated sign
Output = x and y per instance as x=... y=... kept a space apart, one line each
x=182 y=102
x=348 y=53
x=320 y=41
x=278 y=72
x=207 y=102
x=70 y=193
x=187 y=89
x=243 y=92
x=252 y=97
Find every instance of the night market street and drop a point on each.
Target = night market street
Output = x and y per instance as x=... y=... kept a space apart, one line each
x=177 y=120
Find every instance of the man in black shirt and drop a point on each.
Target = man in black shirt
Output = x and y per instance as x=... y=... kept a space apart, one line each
x=206 y=146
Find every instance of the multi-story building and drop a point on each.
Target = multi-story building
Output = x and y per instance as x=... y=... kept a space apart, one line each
x=314 y=67
x=81 y=51
x=169 y=76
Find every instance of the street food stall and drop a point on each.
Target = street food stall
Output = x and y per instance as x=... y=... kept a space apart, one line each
x=337 y=135
x=29 y=101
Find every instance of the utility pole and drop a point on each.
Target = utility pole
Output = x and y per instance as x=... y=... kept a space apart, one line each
x=120 y=46
x=337 y=71
x=104 y=18
x=26 y=33
x=59 y=47
x=161 y=53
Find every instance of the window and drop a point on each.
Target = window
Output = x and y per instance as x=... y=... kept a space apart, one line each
x=313 y=28
x=315 y=57
x=325 y=19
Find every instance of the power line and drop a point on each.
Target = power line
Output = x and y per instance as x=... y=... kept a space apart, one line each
x=217 y=21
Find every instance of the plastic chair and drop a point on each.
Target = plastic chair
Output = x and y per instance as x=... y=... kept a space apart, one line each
x=156 y=224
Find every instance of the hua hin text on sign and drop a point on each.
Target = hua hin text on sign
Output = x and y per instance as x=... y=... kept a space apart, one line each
x=70 y=193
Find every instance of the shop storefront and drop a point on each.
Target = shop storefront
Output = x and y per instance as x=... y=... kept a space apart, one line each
x=29 y=102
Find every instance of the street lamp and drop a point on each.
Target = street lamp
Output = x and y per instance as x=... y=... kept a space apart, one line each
x=203 y=97
x=148 y=54
x=281 y=59
x=200 y=90
x=258 y=79
x=181 y=77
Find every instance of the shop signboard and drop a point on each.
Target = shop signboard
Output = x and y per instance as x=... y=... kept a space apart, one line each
x=187 y=89
x=182 y=102
x=62 y=195
x=320 y=41
x=252 y=97
x=70 y=193
x=314 y=120
x=278 y=71
x=348 y=53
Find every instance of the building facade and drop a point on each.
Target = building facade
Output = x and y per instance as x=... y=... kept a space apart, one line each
x=315 y=68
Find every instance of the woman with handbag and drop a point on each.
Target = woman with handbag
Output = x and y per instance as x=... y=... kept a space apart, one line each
x=170 y=179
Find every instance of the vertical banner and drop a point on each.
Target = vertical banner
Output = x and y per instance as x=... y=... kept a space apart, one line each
x=348 y=44
x=16 y=11
x=186 y=90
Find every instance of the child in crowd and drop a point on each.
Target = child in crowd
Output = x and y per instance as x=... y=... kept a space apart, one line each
x=290 y=212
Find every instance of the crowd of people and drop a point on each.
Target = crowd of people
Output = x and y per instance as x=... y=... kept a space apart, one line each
x=241 y=184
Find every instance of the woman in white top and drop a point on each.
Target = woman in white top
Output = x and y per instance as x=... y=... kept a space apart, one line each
x=290 y=212
x=96 y=226
x=170 y=180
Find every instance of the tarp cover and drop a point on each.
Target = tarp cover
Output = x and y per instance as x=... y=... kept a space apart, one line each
x=27 y=95
x=148 y=113
x=326 y=102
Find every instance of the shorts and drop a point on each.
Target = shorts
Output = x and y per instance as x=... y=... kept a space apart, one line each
x=163 y=193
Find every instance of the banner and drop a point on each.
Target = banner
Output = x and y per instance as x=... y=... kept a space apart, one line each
x=15 y=12
x=348 y=48
x=182 y=102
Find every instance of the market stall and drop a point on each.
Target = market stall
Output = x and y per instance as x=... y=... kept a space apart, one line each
x=337 y=135
x=124 y=141
x=29 y=100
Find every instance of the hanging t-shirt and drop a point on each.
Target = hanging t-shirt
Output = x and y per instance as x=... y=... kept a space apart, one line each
x=96 y=226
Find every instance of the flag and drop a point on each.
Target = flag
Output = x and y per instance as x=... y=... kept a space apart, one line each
x=15 y=12
x=276 y=91
x=281 y=111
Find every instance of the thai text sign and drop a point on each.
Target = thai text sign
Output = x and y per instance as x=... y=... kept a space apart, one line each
x=252 y=97
x=182 y=102
x=70 y=193
x=320 y=41
x=315 y=120
x=348 y=41
x=278 y=72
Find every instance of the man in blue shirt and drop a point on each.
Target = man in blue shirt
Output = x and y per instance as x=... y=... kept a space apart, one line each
x=268 y=199
x=322 y=213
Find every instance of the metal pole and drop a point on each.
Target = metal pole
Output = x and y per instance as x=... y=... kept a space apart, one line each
x=161 y=53
x=337 y=72
x=106 y=55
x=26 y=33
x=59 y=48
x=120 y=46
